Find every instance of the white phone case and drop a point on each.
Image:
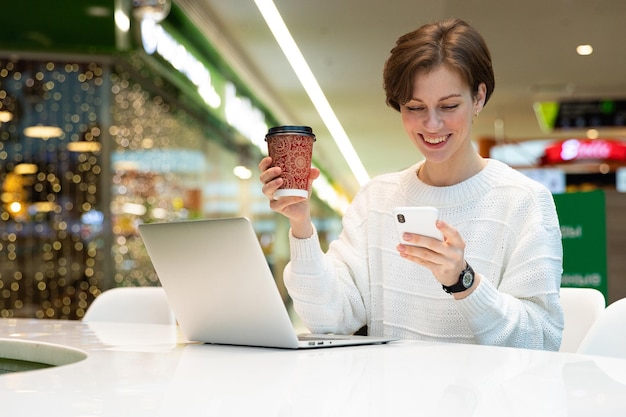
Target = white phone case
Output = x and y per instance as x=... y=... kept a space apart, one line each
x=418 y=220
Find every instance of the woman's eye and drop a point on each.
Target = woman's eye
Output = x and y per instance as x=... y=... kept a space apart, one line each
x=447 y=107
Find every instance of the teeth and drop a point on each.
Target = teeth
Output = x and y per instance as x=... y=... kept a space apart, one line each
x=434 y=141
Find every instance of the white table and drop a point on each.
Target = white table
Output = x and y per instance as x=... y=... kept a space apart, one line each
x=149 y=370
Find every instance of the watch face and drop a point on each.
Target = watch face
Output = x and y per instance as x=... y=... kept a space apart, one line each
x=468 y=279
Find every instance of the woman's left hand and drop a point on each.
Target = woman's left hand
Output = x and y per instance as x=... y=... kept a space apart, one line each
x=445 y=259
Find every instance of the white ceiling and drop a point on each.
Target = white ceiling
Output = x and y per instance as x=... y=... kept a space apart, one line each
x=346 y=42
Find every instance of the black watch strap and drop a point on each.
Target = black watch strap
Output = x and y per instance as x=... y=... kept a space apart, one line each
x=466 y=280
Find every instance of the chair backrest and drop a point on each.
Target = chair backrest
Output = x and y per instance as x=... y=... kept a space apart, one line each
x=131 y=305
x=607 y=335
x=581 y=308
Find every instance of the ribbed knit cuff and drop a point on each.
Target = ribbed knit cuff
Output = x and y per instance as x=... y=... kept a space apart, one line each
x=482 y=303
x=306 y=254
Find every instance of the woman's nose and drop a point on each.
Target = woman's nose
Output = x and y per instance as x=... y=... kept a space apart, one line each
x=433 y=121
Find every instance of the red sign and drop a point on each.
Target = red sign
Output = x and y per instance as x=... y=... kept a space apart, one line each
x=585 y=149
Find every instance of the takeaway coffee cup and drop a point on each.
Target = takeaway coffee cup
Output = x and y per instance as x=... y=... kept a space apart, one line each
x=291 y=148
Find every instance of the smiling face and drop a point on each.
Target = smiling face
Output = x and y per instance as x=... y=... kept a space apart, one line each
x=438 y=118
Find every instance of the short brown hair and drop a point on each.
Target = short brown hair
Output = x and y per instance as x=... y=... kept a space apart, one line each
x=453 y=43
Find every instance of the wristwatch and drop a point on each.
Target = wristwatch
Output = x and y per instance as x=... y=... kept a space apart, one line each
x=466 y=279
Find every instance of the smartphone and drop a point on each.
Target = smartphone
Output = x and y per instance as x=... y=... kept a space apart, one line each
x=418 y=220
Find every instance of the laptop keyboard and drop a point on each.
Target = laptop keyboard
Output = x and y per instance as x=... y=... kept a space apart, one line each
x=313 y=337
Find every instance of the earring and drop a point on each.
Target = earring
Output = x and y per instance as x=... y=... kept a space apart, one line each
x=476 y=113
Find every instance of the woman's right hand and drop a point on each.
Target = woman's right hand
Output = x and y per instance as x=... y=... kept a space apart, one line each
x=296 y=209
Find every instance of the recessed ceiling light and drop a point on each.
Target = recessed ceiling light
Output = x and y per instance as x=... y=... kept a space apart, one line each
x=84 y=146
x=584 y=49
x=43 y=132
x=242 y=172
x=25 y=169
x=98 y=11
x=593 y=134
x=5 y=116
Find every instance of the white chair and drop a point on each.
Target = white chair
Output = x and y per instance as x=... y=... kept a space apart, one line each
x=607 y=335
x=131 y=305
x=581 y=308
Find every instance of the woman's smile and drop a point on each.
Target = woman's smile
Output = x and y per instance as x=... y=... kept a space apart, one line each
x=435 y=140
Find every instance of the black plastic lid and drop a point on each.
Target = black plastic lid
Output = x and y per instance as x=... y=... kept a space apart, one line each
x=299 y=130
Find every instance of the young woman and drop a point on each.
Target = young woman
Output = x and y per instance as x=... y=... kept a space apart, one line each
x=495 y=277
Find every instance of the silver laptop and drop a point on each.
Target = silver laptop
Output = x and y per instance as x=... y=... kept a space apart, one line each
x=221 y=288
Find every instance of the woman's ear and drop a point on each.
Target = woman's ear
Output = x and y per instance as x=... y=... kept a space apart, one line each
x=479 y=98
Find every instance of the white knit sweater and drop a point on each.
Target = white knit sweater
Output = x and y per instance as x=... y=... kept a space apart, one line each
x=513 y=240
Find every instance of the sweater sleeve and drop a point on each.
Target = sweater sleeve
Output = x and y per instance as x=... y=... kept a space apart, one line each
x=323 y=291
x=523 y=309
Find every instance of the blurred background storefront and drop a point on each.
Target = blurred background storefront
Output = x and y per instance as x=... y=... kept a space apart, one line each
x=120 y=118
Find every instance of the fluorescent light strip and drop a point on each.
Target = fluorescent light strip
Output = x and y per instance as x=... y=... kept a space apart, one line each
x=280 y=31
